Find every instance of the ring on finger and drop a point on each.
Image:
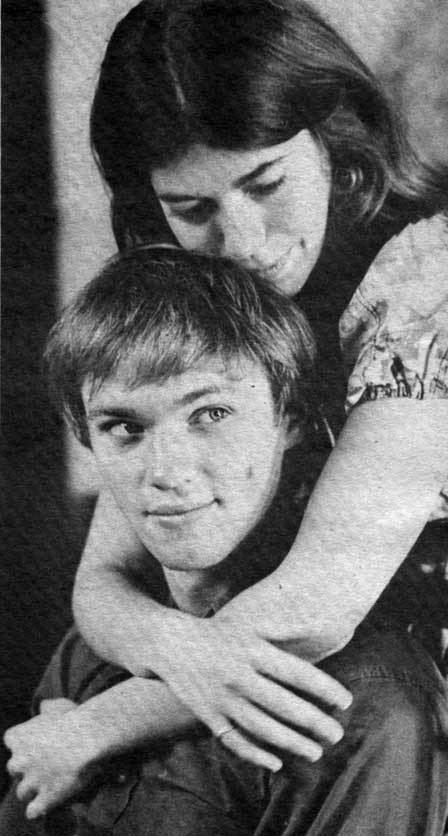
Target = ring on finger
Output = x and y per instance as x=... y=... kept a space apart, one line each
x=222 y=733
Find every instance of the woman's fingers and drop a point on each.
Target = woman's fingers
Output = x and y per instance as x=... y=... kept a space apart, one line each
x=288 y=669
x=277 y=701
x=273 y=734
x=249 y=751
x=270 y=733
x=288 y=707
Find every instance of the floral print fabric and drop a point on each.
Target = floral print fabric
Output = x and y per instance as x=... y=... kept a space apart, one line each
x=394 y=332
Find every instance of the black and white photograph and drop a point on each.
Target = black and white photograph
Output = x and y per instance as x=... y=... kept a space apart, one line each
x=224 y=418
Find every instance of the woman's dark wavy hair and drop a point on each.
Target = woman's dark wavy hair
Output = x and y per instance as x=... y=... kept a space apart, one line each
x=243 y=74
x=156 y=312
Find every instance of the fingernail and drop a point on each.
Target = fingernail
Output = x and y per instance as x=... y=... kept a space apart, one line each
x=275 y=765
x=316 y=755
x=337 y=735
x=333 y=734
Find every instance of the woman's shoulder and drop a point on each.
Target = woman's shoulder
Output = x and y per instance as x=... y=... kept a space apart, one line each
x=411 y=268
x=394 y=331
x=415 y=242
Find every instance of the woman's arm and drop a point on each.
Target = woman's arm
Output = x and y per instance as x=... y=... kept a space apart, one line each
x=371 y=502
x=231 y=662
x=56 y=754
x=373 y=498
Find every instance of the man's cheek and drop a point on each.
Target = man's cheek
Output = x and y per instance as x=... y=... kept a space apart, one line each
x=115 y=482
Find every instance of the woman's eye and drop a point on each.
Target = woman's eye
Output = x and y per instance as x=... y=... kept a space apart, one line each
x=211 y=415
x=199 y=213
x=265 y=189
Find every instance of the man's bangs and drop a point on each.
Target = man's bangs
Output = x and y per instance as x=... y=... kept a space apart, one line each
x=166 y=341
x=161 y=354
x=152 y=315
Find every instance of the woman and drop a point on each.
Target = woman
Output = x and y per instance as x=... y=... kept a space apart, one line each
x=251 y=130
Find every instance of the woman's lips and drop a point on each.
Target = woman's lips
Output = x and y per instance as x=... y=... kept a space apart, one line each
x=277 y=266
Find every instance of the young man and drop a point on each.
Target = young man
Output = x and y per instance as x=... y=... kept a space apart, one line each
x=190 y=379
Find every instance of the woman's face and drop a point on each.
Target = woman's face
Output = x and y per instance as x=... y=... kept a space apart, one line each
x=266 y=209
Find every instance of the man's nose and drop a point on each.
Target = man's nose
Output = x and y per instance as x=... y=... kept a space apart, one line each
x=169 y=462
x=240 y=232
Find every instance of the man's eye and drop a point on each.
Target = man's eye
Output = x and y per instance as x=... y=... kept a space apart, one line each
x=211 y=415
x=264 y=189
x=124 y=431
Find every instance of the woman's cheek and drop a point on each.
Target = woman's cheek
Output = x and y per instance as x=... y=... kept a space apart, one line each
x=190 y=237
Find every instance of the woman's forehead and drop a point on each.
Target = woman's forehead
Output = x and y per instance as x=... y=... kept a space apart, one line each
x=202 y=166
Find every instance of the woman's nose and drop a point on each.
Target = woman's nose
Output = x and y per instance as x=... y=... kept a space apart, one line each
x=240 y=233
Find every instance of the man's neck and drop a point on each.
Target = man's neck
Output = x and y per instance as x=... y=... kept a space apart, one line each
x=200 y=592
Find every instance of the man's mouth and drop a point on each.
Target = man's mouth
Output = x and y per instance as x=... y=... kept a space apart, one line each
x=176 y=514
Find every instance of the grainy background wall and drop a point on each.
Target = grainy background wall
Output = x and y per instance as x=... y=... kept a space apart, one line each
x=56 y=234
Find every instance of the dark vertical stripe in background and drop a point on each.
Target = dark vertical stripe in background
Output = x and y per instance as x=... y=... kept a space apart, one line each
x=37 y=554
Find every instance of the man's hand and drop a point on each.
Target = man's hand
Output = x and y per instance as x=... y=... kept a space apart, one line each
x=48 y=758
x=252 y=695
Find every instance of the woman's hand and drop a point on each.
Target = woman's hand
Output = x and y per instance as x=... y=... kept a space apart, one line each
x=49 y=759
x=257 y=699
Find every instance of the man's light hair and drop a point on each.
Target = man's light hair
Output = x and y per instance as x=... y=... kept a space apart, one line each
x=154 y=313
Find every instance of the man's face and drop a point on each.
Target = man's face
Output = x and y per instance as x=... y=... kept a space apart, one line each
x=193 y=462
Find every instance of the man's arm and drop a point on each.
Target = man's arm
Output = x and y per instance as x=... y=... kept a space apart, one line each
x=58 y=753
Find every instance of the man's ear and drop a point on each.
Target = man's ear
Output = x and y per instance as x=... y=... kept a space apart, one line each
x=295 y=430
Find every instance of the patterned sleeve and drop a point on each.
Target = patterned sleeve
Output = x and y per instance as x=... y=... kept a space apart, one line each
x=394 y=332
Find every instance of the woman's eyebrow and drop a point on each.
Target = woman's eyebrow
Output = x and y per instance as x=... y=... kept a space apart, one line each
x=175 y=197
x=256 y=172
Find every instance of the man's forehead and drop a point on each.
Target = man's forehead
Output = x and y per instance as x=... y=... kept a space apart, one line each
x=211 y=375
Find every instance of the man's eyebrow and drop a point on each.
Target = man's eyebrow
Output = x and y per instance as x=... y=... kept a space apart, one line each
x=122 y=412
x=196 y=394
x=112 y=411
x=240 y=182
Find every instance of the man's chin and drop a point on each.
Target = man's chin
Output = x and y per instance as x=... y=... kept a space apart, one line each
x=188 y=560
x=191 y=563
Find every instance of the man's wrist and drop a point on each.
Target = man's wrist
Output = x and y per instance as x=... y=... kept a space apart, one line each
x=83 y=736
x=100 y=736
